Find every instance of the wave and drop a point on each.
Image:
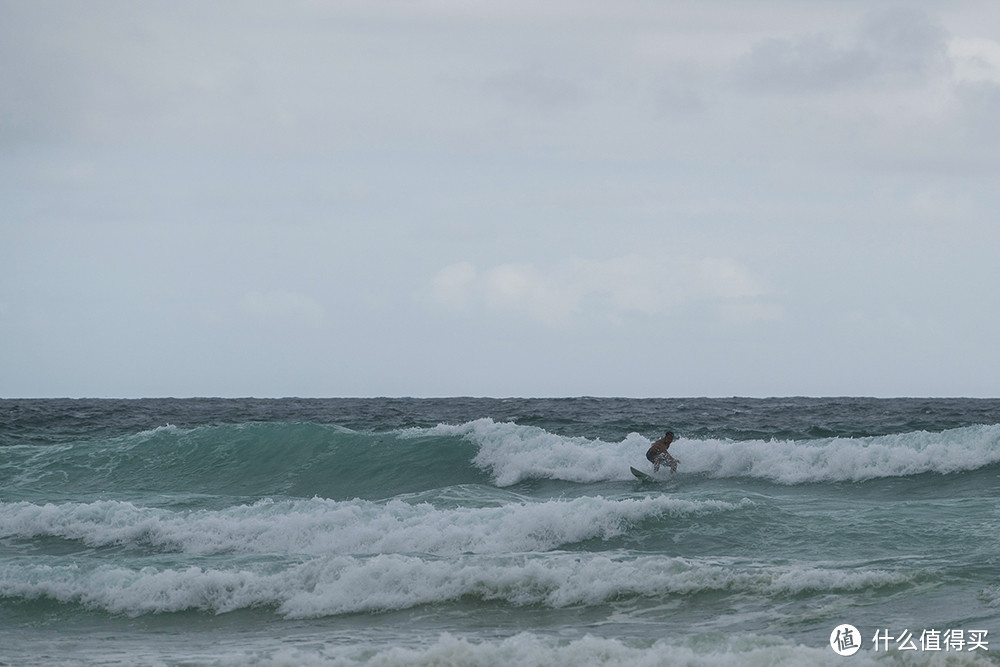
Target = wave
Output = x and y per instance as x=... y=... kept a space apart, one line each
x=305 y=460
x=849 y=459
x=335 y=585
x=528 y=648
x=254 y=459
x=321 y=526
x=514 y=453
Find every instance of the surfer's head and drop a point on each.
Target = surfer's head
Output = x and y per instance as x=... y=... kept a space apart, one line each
x=669 y=437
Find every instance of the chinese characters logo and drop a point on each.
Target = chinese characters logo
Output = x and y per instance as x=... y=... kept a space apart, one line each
x=847 y=640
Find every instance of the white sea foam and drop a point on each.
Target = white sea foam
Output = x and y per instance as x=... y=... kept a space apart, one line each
x=848 y=459
x=533 y=650
x=990 y=595
x=514 y=453
x=528 y=649
x=320 y=526
x=335 y=585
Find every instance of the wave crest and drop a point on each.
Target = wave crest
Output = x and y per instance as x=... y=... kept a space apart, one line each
x=337 y=585
x=321 y=526
x=513 y=453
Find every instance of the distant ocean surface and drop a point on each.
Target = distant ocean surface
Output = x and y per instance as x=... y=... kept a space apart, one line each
x=469 y=531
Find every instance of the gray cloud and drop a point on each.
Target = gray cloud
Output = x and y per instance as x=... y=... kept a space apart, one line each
x=533 y=87
x=202 y=184
x=893 y=47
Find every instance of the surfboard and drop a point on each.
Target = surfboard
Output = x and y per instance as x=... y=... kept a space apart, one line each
x=641 y=475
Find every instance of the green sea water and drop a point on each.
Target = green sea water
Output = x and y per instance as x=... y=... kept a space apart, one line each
x=494 y=532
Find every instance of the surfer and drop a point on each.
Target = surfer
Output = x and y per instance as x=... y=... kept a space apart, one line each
x=658 y=454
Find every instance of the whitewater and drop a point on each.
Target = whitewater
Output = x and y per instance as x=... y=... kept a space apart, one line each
x=496 y=532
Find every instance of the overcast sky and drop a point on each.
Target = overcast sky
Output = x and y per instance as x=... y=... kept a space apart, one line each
x=523 y=198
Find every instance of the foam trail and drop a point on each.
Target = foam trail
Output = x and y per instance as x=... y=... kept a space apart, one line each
x=347 y=584
x=848 y=459
x=321 y=526
x=528 y=648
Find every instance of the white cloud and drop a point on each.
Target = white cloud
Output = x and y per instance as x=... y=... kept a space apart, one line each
x=975 y=60
x=609 y=289
x=453 y=286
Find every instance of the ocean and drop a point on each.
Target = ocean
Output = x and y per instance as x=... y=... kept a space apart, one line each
x=468 y=531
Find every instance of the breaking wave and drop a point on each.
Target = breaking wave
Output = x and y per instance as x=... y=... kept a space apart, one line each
x=514 y=453
x=308 y=460
x=320 y=526
x=327 y=586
